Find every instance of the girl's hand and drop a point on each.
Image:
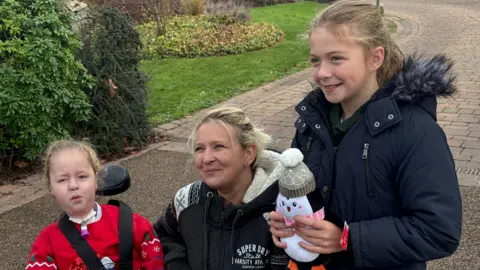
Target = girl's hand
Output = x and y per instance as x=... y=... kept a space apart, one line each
x=323 y=235
x=279 y=229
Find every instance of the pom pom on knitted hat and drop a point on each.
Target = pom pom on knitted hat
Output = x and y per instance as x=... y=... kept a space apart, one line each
x=295 y=179
x=291 y=157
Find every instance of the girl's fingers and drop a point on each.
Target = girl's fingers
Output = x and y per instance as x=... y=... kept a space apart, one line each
x=312 y=248
x=278 y=243
x=310 y=233
x=308 y=222
x=312 y=240
x=278 y=225
x=281 y=233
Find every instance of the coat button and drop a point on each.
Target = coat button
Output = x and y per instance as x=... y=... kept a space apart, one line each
x=317 y=126
x=376 y=124
x=325 y=188
x=390 y=116
x=303 y=108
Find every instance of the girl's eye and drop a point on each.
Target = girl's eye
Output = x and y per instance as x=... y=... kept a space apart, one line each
x=294 y=204
x=83 y=176
x=314 y=61
x=336 y=58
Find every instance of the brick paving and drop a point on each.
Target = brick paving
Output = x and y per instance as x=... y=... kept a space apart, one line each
x=428 y=27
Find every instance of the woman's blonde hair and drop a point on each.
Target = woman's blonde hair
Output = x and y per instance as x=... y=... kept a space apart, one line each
x=60 y=145
x=235 y=117
x=364 y=23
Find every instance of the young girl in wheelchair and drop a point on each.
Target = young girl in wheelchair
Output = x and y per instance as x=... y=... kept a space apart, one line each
x=71 y=173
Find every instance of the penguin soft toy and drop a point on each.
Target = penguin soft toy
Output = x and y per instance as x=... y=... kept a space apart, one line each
x=298 y=196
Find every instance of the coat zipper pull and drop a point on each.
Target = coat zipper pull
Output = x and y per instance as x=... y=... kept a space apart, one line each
x=307 y=148
x=308 y=144
x=365 y=150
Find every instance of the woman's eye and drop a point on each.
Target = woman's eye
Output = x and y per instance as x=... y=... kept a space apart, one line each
x=83 y=176
x=218 y=146
x=198 y=149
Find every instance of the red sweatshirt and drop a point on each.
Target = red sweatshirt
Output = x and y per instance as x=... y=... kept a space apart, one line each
x=51 y=249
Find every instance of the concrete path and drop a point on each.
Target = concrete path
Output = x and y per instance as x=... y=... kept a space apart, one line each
x=429 y=26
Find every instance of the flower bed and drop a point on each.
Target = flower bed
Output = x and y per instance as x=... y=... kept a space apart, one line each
x=194 y=36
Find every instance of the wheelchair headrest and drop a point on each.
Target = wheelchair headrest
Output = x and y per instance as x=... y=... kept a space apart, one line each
x=113 y=179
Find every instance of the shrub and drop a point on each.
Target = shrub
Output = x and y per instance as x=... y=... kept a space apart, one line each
x=193 y=36
x=193 y=7
x=134 y=8
x=230 y=8
x=40 y=90
x=119 y=96
x=142 y=11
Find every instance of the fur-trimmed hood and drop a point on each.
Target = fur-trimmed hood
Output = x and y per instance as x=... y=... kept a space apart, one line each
x=421 y=80
x=265 y=175
x=423 y=77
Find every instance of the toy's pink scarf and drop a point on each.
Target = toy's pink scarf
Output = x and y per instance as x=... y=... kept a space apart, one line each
x=319 y=215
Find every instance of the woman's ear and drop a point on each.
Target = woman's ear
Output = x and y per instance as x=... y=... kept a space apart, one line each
x=376 y=58
x=251 y=154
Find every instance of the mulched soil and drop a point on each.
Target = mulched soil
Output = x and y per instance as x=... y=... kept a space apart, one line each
x=13 y=174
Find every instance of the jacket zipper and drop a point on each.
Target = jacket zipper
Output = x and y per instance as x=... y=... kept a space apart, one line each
x=221 y=259
x=333 y=175
x=307 y=148
x=366 y=147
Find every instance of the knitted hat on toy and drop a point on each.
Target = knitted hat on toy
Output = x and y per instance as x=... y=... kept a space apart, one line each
x=295 y=180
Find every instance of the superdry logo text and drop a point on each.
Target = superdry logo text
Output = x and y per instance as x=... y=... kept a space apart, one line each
x=252 y=256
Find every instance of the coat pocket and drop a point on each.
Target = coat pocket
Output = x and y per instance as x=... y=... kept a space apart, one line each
x=368 y=178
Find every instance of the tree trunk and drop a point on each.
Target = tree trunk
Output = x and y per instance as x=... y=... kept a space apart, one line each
x=160 y=28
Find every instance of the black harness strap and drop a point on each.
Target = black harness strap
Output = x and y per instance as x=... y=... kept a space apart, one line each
x=125 y=235
x=85 y=251
x=81 y=246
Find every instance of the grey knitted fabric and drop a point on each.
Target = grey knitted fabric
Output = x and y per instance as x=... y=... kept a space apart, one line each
x=296 y=179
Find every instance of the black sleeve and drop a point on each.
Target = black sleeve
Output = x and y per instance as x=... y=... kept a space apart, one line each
x=176 y=257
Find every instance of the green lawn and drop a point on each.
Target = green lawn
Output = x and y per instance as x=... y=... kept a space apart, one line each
x=179 y=87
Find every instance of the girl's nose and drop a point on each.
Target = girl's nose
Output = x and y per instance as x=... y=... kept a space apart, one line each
x=72 y=184
x=324 y=72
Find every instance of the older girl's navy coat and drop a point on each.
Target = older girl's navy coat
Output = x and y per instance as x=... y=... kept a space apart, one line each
x=392 y=178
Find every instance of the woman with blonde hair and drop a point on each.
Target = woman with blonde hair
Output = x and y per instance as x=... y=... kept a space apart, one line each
x=221 y=222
